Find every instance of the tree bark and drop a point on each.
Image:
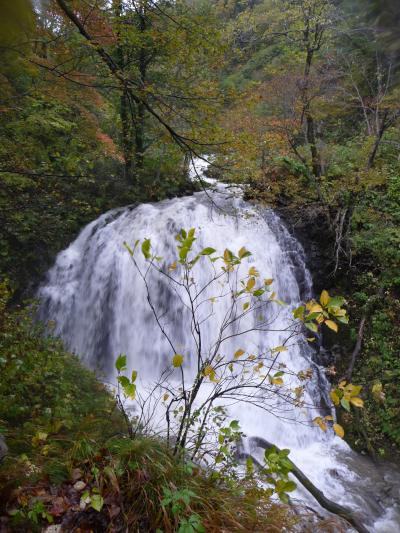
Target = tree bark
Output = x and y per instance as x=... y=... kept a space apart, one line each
x=379 y=135
x=357 y=348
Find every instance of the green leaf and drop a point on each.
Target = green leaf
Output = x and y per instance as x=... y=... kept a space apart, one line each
x=345 y=404
x=97 y=502
x=134 y=376
x=336 y=301
x=283 y=497
x=312 y=327
x=208 y=251
x=130 y=390
x=124 y=381
x=146 y=245
x=299 y=312
x=258 y=292
x=120 y=363
x=290 y=486
x=183 y=252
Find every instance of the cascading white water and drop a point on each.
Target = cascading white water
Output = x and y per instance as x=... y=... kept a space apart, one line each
x=99 y=305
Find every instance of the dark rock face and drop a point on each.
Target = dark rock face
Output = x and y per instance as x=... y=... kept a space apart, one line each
x=310 y=227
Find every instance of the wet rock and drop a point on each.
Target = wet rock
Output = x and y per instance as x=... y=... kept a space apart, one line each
x=310 y=227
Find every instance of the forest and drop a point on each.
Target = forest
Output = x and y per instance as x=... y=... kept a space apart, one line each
x=200 y=266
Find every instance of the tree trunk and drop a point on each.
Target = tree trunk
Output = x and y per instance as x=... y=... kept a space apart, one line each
x=141 y=112
x=327 y=504
x=310 y=125
x=311 y=139
x=379 y=135
x=127 y=137
x=124 y=109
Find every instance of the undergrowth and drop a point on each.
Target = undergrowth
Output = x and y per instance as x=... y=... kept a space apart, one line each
x=70 y=460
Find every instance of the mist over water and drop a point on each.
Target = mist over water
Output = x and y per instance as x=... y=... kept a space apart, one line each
x=99 y=305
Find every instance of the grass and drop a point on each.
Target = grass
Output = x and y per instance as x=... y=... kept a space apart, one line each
x=71 y=462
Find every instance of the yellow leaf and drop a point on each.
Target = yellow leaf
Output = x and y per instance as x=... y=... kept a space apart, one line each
x=329 y=417
x=377 y=388
x=210 y=373
x=316 y=308
x=337 y=428
x=250 y=284
x=227 y=255
x=353 y=390
x=320 y=422
x=331 y=325
x=311 y=339
x=268 y=281
x=238 y=354
x=246 y=306
x=242 y=252
x=253 y=271
x=298 y=391
x=334 y=397
x=165 y=397
x=172 y=267
x=357 y=402
x=177 y=360
x=324 y=298
x=338 y=312
x=279 y=349
x=251 y=357
x=273 y=295
x=309 y=304
x=277 y=381
x=208 y=370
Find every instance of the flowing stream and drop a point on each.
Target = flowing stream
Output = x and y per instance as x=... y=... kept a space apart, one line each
x=98 y=302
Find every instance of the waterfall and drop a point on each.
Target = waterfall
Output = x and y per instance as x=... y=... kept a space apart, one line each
x=99 y=306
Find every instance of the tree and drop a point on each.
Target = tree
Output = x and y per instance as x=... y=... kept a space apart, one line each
x=157 y=54
x=195 y=389
x=251 y=306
